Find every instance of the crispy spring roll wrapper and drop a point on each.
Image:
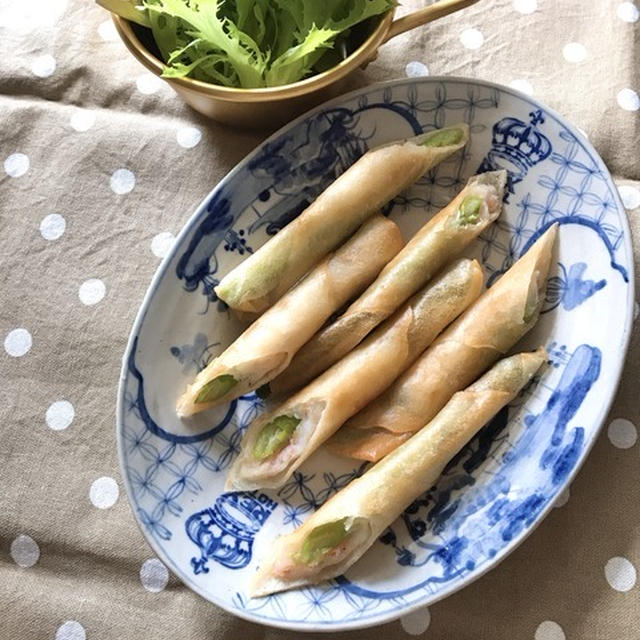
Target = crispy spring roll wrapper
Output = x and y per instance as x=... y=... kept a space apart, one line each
x=279 y=441
x=377 y=177
x=268 y=345
x=486 y=331
x=443 y=237
x=337 y=535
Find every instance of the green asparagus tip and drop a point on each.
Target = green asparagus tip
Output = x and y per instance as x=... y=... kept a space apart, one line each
x=444 y=138
x=275 y=436
x=264 y=391
x=322 y=539
x=469 y=210
x=216 y=388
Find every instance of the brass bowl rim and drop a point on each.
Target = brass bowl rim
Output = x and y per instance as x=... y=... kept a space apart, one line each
x=361 y=55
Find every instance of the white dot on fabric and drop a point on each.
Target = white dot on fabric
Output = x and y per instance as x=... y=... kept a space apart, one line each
x=17 y=342
x=562 y=498
x=583 y=132
x=622 y=433
x=60 y=415
x=415 y=69
x=122 y=181
x=82 y=120
x=154 y=575
x=161 y=244
x=523 y=85
x=472 y=38
x=416 y=623
x=43 y=66
x=148 y=83
x=630 y=196
x=104 y=492
x=25 y=551
x=71 y=630
x=628 y=12
x=29 y=17
x=525 y=6
x=628 y=99
x=91 y=291
x=52 y=226
x=107 y=30
x=188 y=137
x=574 y=52
x=16 y=165
x=620 y=574
x=549 y=630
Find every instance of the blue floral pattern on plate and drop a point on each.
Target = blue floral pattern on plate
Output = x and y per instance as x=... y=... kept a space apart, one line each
x=504 y=481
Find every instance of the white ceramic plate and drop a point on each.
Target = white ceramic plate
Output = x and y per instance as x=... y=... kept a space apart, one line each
x=504 y=482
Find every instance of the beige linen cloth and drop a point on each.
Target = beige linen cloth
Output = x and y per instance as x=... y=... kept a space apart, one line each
x=80 y=241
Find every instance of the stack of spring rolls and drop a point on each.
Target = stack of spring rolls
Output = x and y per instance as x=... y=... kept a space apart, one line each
x=395 y=379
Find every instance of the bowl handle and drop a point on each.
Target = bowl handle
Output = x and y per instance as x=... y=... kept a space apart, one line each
x=428 y=14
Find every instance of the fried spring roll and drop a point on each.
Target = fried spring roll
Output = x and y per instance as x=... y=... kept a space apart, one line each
x=377 y=177
x=268 y=345
x=443 y=237
x=337 y=535
x=487 y=330
x=279 y=441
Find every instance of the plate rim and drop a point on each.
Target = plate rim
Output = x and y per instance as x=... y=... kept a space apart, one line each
x=429 y=599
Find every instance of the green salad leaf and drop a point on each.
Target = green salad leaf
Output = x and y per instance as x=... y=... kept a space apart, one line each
x=127 y=9
x=214 y=35
x=249 y=43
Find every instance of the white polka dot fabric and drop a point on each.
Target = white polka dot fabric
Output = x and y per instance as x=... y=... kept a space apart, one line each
x=16 y=165
x=525 y=6
x=70 y=630
x=188 y=137
x=60 y=415
x=471 y=38
x=147 y=83
x=25 y=551
x=43 y=66
x=107 y=30
x=82 y=120
x=92 y=291
x=52 y=226
x=154 y=576
x=522 y=84
x=622 y=433
x=18 y=342
x=630 y=196
x=161 y=243
x=628 y=12
x=620 y=574
x=562 y=498
x=417 y=622
x=104 y=492
x=549 y=630
x=628 y=99
x=415 y=69
x=101 y=166
x=574 y=52
x=122 y=181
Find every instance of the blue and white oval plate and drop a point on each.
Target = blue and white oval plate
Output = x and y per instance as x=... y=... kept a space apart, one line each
x=503 y=483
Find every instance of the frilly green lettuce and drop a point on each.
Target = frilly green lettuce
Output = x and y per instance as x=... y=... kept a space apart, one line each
x=247 y=43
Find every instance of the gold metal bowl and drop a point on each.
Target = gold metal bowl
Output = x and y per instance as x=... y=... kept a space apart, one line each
x=271 y=107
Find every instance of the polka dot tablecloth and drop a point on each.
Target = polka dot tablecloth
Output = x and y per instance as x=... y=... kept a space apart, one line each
x=101 y=166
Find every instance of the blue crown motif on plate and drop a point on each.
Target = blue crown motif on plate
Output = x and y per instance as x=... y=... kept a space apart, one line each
x=225 y=532
x=516 y=147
